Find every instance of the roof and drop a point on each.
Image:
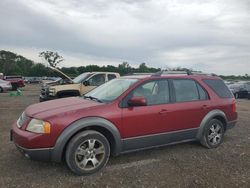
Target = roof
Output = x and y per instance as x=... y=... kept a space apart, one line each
x=173 y=74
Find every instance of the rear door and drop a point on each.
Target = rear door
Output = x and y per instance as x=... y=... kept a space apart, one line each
x=191 y=104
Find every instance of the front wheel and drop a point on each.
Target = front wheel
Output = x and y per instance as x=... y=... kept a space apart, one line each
x=87 y=152
x=213 y=134
x=1 y=90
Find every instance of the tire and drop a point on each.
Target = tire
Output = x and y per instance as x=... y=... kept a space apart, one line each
x=14 y=87
x=87 y=152
x=1 y=90
x=213 y=134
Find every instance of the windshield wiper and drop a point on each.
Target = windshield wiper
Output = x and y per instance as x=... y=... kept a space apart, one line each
x=92 y=98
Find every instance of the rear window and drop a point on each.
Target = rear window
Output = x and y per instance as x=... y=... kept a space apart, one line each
x=219 y=87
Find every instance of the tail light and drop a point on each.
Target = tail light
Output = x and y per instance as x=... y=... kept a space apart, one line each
x=234 y=106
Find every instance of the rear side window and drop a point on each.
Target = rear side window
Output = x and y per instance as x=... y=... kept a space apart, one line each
x=185 y=90
x=203 y=94
x=219 y=87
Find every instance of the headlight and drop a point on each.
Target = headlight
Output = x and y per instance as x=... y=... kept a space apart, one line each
x=39 y=126
x=52 y=91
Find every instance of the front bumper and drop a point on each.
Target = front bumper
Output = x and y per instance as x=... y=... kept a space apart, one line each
x=41 y=154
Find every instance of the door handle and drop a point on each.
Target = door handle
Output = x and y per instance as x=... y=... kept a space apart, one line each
x=163 y=111
x=204 y=106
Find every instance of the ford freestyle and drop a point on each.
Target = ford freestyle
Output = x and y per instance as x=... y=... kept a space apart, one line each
x=126 y=114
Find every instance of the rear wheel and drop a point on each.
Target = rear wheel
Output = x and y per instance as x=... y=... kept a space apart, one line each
x=213 y=134
x=1 y=90
x=87 y=152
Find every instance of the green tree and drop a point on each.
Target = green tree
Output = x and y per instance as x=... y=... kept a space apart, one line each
x=143 y=67
x=53 y=58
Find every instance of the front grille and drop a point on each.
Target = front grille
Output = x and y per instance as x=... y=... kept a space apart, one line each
x=22 y=120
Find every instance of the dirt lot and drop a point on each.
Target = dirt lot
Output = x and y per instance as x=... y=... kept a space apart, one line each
x=183 y=165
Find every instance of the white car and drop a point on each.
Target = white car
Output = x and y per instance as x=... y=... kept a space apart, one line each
x=5 y=86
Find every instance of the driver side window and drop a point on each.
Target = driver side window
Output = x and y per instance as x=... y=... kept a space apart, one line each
x=97 y=80
x=156 y=92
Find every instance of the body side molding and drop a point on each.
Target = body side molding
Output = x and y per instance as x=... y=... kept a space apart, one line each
x=157 y=140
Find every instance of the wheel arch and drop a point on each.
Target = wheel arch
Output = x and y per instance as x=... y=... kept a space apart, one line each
x=214 y=114
x=101 y=125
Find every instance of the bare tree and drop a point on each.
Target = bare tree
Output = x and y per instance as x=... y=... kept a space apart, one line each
x=53 y=58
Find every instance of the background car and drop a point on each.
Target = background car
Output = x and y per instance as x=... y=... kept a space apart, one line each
x=16 y=81
x=5 y=86
x=67 y=87
x=33 y=80
x=240 y=90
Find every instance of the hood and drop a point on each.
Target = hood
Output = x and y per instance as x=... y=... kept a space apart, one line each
x=63 y=75
x=52 y=83
x=60 y=106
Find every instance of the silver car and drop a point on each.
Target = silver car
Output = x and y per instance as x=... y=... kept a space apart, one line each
x=5 y=86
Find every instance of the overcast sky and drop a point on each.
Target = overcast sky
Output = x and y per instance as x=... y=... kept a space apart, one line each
x=208 y=35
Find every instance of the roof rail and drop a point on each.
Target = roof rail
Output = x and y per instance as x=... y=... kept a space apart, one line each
x=187 y=72
x=170 y=72
x=139 y=73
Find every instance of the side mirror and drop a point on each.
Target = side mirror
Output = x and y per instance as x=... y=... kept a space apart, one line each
x=86 y=83
x=137 y=101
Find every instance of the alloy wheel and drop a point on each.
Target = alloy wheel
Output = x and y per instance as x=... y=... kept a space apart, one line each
x=215 y=134
x=90 y=154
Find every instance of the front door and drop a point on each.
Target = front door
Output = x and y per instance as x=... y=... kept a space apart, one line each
x=150 y=119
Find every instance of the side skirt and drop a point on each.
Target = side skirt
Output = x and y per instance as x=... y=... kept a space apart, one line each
x=158 y=140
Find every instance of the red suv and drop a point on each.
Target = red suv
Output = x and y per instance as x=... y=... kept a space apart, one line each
x=124 y=115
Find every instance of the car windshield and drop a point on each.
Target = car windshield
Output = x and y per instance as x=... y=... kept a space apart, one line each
x=81 y=78
x=110 y=90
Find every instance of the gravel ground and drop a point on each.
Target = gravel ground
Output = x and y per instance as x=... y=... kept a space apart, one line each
x=182 y=165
